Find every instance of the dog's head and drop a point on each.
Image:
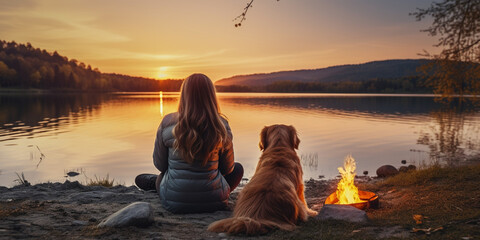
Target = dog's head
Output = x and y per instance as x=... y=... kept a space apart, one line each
x=278 y=135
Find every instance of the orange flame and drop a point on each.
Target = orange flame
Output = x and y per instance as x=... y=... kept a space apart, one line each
x=347 y=192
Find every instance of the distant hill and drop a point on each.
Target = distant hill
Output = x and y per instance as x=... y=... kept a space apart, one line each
x=387 y=69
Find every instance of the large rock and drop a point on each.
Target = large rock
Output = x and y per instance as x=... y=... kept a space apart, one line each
x=387 y=171
x=138 y=214
x=342 y=212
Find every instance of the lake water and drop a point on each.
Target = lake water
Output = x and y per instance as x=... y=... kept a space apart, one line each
x=44 y=136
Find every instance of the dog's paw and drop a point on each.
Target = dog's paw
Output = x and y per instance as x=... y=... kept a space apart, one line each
x=311 y=212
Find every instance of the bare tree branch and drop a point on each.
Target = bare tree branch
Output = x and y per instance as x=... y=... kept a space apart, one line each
x=242 y=17
x=457 y=23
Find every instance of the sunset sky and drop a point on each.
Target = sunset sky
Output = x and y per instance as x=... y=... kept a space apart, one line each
x=172 y=39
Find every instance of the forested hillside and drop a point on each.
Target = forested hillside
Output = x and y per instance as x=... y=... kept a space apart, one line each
x=387 y=69
x=376 y=85
x=388 y=76
x=23 y=66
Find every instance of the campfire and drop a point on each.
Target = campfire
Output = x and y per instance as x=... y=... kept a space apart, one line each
x=347 y=193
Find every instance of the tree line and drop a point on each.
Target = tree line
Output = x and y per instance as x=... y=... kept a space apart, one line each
x=378 y=85
x=23 y=66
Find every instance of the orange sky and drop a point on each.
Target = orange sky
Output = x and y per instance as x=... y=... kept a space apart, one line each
x=172 y=39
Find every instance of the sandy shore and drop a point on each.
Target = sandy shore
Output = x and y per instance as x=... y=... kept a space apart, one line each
x=71 y=210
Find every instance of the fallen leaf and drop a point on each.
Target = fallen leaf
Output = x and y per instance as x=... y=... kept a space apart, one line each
x=356 y=231
x=418 y=218
x=391 y=191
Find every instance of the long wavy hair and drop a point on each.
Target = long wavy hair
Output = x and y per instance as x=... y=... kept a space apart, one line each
x=200 y=130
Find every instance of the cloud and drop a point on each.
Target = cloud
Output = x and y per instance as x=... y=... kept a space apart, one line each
x=267 y=60
x=147 y=64
x=41 y=23
x=114 y=54
x=212 y=63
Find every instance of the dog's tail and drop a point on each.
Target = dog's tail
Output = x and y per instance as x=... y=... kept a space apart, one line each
x=247 y=226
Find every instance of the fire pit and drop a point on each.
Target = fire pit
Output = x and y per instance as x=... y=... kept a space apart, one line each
x=369 y=200
x=347 y=193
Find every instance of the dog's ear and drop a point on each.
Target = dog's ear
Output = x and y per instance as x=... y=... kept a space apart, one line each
x=263 y=139
x=295 y=141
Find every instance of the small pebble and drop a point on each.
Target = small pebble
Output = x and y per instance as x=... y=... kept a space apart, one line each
x=79 y=223
x=222 y=235
x=73 y=174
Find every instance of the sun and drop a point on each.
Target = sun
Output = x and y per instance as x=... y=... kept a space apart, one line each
x=162 y=72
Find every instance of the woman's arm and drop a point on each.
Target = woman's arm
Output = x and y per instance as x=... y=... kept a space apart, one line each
x=160 y=151
x=226 y=158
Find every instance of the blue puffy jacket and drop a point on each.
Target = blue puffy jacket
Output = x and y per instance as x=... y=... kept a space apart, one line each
x=190 y=188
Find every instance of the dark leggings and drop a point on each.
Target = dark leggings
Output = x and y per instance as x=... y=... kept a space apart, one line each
x=233 y=178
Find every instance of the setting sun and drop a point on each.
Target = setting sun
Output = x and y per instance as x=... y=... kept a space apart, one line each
x=162 y=72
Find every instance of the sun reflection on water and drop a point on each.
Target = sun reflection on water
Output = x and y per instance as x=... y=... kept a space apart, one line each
x=161 y=103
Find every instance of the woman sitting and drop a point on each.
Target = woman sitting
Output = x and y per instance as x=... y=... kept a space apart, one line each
x=194 y=153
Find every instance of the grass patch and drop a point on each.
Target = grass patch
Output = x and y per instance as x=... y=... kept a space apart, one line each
x=445 y=197
x=104 y=182
x=433 y=174
x=21 y=180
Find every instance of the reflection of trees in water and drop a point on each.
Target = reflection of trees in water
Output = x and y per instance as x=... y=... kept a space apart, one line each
x=39 y=113
x=379 y=105
x=452 y=137
x=33 y=114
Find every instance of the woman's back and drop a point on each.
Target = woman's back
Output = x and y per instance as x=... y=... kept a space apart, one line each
x=194 y=153
x=192 y=187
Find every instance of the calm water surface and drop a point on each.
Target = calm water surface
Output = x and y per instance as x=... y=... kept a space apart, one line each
x=45 y=135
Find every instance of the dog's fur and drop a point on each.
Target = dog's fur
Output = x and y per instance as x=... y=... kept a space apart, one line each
x=274 y=197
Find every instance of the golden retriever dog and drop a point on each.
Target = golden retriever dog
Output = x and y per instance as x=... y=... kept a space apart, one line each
x=274 y=197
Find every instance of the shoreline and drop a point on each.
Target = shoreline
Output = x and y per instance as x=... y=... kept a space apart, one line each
x=72 y=210
x=92 y=91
